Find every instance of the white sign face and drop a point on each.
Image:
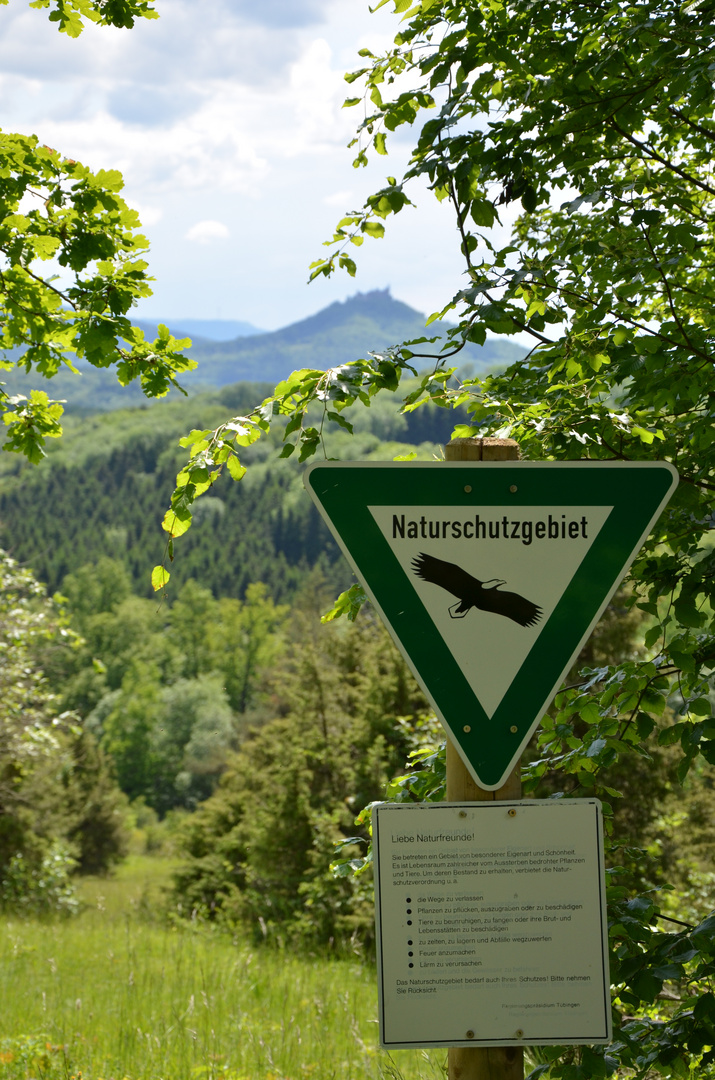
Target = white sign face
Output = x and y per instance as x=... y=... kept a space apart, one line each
x=491 y=923
x=514 y=566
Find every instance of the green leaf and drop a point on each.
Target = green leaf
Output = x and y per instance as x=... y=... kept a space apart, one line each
x=705 y=1008
x=159 y=578
x=349 y=841
x=337 y=418
x=646 y=986
x=195 y=436
x=644 y=724
x=176 y=522
x=348 y=603
x=236 y=469
x=590 y=712
x=483 y=213
x=373 y=228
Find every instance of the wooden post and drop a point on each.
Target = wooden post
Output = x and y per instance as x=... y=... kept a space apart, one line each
x=495 y=1062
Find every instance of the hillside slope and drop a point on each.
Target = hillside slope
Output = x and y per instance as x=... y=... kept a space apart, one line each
x=105 y=486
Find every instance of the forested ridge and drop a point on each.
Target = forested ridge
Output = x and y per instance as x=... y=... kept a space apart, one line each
x=332 y=336
x=59 y=520
x=103 y=491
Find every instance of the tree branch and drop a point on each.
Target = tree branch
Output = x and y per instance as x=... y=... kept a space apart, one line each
x=707 y=132
x=666 y=286
x=651 y=153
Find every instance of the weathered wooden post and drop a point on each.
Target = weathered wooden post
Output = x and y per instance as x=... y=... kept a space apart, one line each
x=496 y=1062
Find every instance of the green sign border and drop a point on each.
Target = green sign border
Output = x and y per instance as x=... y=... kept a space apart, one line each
x=343 y=491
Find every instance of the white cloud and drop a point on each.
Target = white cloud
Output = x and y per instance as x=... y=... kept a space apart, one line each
x=205 y=232
x=240 y=39
x=211 y=95
x=316 y=92
x=339 y=199
x=201 y=150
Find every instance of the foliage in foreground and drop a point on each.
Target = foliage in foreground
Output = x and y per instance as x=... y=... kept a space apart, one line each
x=73 y=265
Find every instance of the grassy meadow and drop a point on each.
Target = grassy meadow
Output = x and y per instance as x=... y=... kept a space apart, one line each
x=119 y=993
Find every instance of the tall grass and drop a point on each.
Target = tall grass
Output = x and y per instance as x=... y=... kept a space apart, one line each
x=112 y=994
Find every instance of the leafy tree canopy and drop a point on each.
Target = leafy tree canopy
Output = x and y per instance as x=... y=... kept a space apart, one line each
x=71 y=264
x=71 y=14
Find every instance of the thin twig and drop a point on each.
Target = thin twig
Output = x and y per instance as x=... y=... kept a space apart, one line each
x=669 y=918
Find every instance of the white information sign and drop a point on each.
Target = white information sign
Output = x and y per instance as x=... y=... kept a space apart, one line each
x=491 y=923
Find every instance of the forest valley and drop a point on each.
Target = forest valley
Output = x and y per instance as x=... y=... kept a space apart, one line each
x=227 y=723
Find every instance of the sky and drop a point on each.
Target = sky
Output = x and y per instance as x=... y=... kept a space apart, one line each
x=225 y=118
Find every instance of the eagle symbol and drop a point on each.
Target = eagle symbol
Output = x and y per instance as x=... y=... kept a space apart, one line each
x=472 y=593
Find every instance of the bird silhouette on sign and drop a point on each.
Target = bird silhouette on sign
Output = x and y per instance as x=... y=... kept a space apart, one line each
x=472 y=593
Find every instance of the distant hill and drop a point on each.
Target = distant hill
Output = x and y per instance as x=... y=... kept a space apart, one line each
x=203 y=329
x=341 y=332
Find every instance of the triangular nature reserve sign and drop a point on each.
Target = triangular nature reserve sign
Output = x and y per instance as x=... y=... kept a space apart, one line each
x=490 y=576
